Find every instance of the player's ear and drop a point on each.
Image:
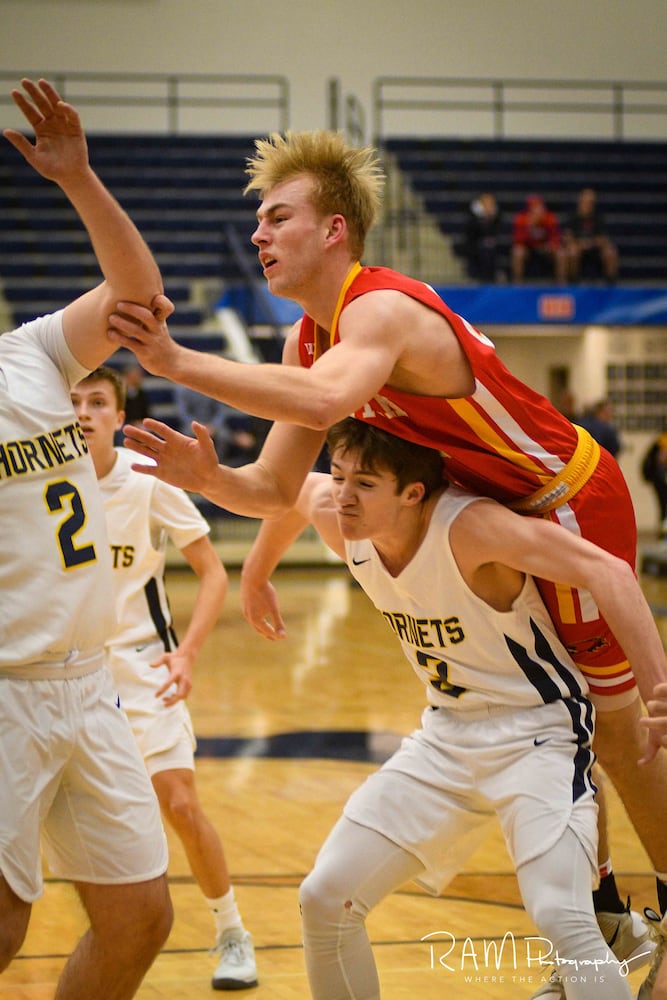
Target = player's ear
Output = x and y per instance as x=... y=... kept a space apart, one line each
x=414 y=493
x=337 y=227
x=120 y=419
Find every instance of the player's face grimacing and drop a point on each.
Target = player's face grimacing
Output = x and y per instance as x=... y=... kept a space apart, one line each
x=367 y=503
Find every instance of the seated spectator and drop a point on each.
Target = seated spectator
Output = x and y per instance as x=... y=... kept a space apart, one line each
x=589 y=251
x=136 y=404
x=481 y=244
x=237 y=436
x=598 y=421
x=536 y=243
x=654 y=471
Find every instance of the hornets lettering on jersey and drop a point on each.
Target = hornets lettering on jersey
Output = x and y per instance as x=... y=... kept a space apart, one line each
x=427 y=633
x=417 y=631
x=122 y=556
x=44 y=451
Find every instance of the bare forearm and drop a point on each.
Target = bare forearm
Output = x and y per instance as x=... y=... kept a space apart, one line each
x=271 y=391
x=124 y=258
x=205 y=613
x=630 y=619
x=213 y=583
x=273 y=540
x=249 y=491
x=59 y=153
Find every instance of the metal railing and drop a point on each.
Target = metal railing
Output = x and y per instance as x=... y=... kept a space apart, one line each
x=480 y=107
x=186 y=102
x=401 y=105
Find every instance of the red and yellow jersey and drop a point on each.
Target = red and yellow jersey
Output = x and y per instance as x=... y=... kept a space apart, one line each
x=509 y=442
x=504 y=441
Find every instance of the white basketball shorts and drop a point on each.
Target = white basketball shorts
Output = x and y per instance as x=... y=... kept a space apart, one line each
x=71 y=771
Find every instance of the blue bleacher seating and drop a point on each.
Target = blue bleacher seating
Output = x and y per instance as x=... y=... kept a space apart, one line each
x=180 y=190
x=629 y=177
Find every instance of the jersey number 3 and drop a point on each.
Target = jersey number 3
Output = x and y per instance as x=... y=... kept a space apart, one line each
x=63 y=498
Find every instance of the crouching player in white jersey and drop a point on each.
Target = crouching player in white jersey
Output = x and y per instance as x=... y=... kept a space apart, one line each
x=508 y=726
x=152 y=670
x=70 y=772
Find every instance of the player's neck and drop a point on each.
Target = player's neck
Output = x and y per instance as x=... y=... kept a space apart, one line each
x=104 y=460
x=321 y=300
x=399 y=545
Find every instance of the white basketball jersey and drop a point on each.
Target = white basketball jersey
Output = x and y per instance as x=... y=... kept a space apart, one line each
x=142 y=513
x=467 y=654
x=55 y=573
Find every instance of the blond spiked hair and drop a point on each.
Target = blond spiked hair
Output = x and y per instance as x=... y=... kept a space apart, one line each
x=348 y=180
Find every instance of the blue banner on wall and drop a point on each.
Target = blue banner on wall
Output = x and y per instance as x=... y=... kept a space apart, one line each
x=507 y=304
x=486 y=305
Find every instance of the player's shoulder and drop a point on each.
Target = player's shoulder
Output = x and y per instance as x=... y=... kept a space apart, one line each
x=124 y=475
x=456 y=504
x=44 y=334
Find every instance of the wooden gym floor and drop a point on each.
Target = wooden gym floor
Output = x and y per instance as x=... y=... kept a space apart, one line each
x=286 y=731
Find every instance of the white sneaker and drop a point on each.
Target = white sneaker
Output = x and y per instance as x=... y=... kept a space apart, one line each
x=629 y=939
x=236 y=969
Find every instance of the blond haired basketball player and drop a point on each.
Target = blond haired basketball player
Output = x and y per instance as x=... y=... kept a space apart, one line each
x=385 y=347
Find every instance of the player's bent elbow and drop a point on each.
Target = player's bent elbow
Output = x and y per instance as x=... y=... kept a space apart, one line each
x=327 y=409
x=611 y=572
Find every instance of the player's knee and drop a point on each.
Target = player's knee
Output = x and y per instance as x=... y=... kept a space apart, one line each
x=11 y=939
x=563 y=923
x=323 y=905
x=12 y=936
x=315 y=900
x=157 y=917
x=180 y=810
x=142 y=924
x=14 y=919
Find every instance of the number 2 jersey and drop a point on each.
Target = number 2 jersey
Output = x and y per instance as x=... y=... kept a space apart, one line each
x=55 y=571
x=468 y=655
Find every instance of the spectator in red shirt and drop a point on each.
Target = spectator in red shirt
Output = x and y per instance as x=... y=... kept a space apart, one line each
x=536 y=243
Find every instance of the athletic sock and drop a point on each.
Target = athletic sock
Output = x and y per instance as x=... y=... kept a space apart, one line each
x=606 y=898
x=225 y=912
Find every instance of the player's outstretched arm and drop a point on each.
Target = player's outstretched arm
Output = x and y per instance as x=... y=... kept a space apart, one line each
x=548 y=550
x=342 y=380
x=60 y=154
x=265 y=488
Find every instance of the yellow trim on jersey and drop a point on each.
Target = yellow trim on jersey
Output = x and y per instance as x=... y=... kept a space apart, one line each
x=351 y=275
x=485 y=432
x=566 y=609
x=622 y=666
x=567 y=483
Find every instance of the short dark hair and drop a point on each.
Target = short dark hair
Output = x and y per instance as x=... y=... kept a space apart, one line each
x=378 y=451
x=107 y=374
